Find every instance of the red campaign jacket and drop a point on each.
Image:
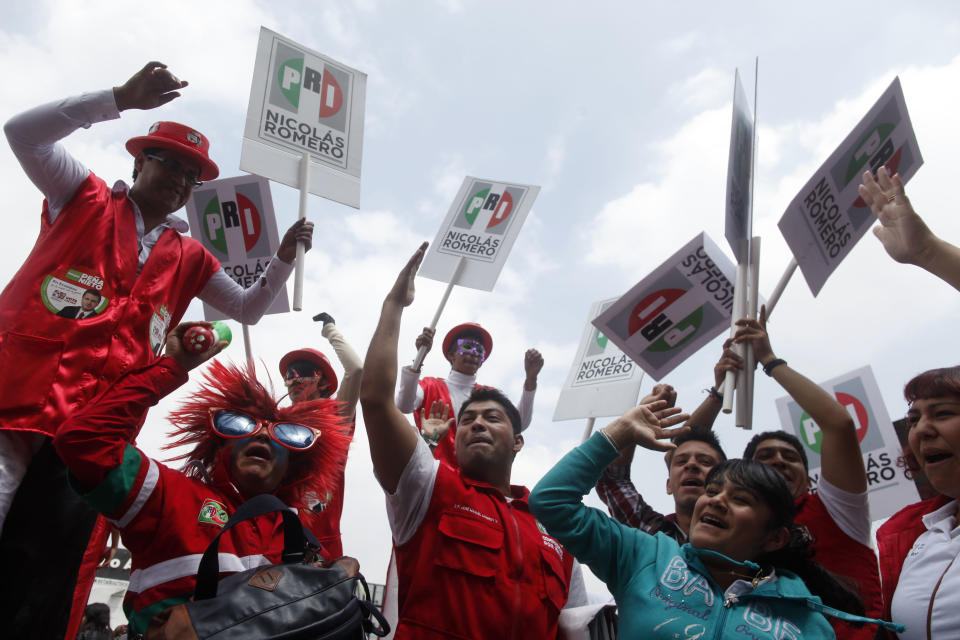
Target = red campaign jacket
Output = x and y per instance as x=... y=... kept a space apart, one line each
x=895 y=539
x=480 y=567
x=324 y=519
x=842 y=555
x=436 y=389
x=166 y=519
x=91 y=244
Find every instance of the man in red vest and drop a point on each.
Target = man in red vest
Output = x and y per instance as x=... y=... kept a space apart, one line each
x=466 y=346
x=837 y=516
x=124 y=243
x=310 y=376
x=471 y=559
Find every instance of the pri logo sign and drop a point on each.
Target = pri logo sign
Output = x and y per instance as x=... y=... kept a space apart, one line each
x=485 y=217
x=308 y=104
x=219 y=217
x=601 y=361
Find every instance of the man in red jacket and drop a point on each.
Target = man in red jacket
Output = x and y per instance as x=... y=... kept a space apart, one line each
x=167 y=517
x=471 y=559
x=124 y=243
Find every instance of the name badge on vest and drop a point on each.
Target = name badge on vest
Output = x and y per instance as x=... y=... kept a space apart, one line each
x=75 y=293
x=159 y=323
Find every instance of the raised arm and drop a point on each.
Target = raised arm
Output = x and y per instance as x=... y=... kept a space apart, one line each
x=392 y=438
x=410 y=395
x=706 y=414
x=904 y=235
x=840 y=456
x=349 y=390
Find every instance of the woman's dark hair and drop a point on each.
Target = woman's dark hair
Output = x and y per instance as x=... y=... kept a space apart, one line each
x=97 y=623
x=933 y=383
x=796 y=556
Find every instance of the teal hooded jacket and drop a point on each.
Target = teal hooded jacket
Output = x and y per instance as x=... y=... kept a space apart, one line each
x=663 y=589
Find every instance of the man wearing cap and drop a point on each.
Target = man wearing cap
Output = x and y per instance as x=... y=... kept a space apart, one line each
x=466 y=347
x=309 y=375
x=124 y=243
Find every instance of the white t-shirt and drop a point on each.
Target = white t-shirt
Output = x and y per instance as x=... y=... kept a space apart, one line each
x=850 y=511
x=930 y=573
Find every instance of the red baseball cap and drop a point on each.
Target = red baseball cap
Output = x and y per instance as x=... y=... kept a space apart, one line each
x=468 y=327
x=181 y=139
x=317 y=358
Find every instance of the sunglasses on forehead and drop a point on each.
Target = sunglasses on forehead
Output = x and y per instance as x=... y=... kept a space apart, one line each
x=228 y=423
x=469 y=345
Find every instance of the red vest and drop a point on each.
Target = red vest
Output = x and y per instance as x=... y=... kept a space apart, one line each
x=895 y=539
x=436 y=389
x=846 y=558
x=324 y=519
x=50 y=365
x=480 y=567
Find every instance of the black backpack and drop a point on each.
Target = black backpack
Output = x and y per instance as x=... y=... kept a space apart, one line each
x=288 y=601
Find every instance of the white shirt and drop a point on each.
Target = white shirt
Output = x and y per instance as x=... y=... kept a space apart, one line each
x=931 y=560
x=34 y=138
x=850 y=511
x=460 y=385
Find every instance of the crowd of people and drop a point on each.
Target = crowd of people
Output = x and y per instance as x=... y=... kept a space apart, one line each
x=750 y=550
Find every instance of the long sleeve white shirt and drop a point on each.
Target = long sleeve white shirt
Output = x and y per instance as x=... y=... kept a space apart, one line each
x=34 y=137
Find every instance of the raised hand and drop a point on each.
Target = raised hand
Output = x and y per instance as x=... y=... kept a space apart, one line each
x=755 y=332
x=299 y=231
x=661 y=392
x=647 y=425
x=403 y=289
x=324 y=317
x=435 y=423
x=425 y=339
x=902 y=231
x=729 y=361
x=148 y=88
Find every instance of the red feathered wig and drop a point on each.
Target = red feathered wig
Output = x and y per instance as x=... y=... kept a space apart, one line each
x=228 y=387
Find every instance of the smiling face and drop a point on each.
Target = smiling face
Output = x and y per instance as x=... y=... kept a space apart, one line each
x=934 y=438
x=159 y=188
x=733 y=520
x=781 y=455
x=464 y=354
x=485 y=442
x=689 y=466
x=257 y=464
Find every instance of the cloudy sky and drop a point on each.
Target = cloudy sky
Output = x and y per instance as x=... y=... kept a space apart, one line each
x=622 y=115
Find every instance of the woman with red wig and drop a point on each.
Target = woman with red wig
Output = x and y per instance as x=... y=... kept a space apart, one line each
x=243 y=445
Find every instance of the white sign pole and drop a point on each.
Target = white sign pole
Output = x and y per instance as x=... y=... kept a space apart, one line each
x=589 y=429
x=422 y=352
x=778 y=290
x=301 y=250
x=745 y=391
x=246 y=347
x=739 y=306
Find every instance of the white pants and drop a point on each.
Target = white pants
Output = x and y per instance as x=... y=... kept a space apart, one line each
x=17 y=449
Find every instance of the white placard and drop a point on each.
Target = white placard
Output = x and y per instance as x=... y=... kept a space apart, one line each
x=482 y=224
x=235 y=221
x=890 y=488
x=302 y=101
x=603 y=380
x=738 y=227
x=828 y=216
x=670 y=314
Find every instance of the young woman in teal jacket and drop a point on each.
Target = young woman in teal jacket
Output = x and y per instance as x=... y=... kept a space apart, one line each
x=738 y=577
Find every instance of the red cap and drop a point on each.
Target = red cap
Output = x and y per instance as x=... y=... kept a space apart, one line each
x=181 y=139
x=317 y=358
x=468 y=327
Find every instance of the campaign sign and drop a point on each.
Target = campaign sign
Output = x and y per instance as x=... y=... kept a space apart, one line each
x=302 y=101
x=603 y=380
x=828 y=216
x=481 y=226
x=234 y=220
x=889 y=485
x=738 y=228
x=670 y=314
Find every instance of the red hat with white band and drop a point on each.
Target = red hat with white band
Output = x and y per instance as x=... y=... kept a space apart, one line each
x=181 y=139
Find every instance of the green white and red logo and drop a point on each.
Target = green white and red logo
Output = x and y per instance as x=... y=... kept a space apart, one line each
x=499 y=203
x=242 y=214
x=649 y=318
x=811 y=434
x=295 y=77
x=213 y=512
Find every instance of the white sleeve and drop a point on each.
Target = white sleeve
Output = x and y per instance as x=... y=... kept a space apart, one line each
x=407 y=506
x=34 y=134
x=248 y=305
x=409 y=394
x=577 y=593
x=851 y=511
x=526 y=408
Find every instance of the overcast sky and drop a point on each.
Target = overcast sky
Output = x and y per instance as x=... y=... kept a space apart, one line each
x=620 y=112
